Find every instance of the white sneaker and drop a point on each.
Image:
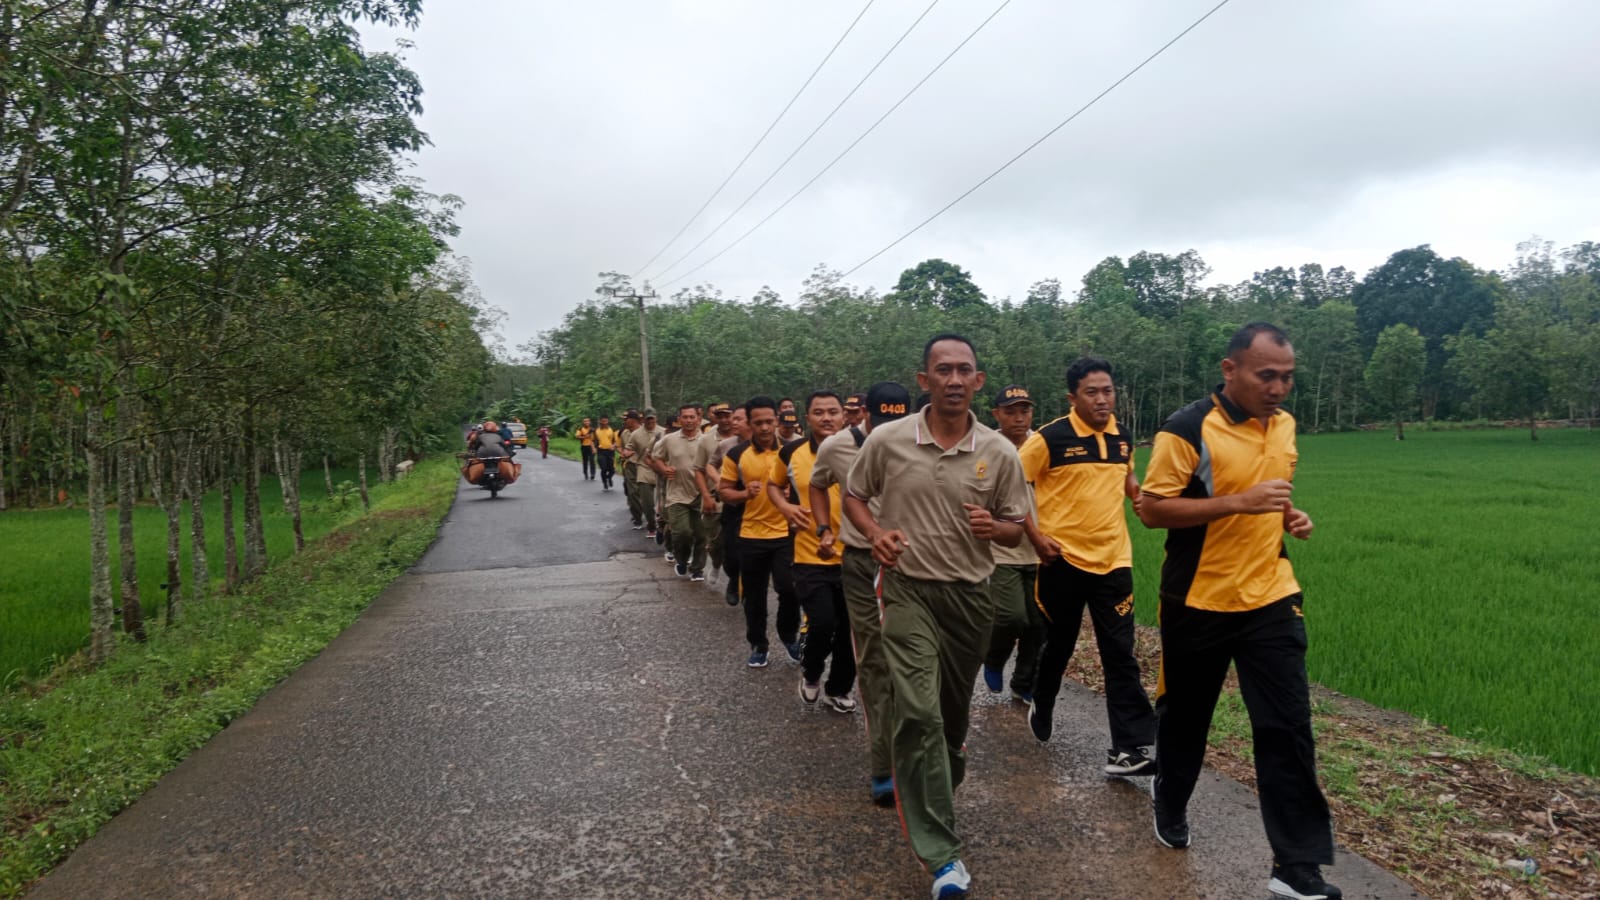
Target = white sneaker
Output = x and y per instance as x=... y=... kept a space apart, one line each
x=952 y=880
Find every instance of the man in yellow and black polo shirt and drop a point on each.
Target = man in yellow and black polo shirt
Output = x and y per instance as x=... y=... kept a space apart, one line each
x=764 y=548
x=1220 y=481
x=1081 y=466
x=605 y=451
x=950 y=486
x=585 y=436
x=816 y=572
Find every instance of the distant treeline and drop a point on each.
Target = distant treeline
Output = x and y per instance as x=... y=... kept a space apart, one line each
x=1419 y=337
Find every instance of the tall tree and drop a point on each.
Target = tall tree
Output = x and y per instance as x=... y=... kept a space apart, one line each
x=1394 y=372
x=936 y=283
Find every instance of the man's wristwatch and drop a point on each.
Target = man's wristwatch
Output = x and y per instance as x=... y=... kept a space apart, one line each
x=822 y=529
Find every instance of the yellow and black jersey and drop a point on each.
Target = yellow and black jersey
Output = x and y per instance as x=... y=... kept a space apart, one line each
x=1212 y=448
x=585 y=436
x=605 y=438
x=746 y=463
x=1079 y=479
x=792 y=475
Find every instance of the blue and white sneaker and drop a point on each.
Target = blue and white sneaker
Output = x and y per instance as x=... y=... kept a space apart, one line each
x=793 y=648
x=994 y=679
x=883 y=790
x=758 y=659
x=952 y=880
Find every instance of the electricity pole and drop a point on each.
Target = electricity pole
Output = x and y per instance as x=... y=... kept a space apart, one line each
x=644 y=343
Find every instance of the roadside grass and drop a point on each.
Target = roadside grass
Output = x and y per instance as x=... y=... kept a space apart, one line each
x=564 y=447
x=44 y=588
x=81 y=744
x=1452 y=576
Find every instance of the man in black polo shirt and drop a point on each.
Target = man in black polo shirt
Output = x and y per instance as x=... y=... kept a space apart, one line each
x=1220 y=481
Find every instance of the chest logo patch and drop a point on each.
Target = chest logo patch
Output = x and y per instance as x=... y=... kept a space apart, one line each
x=982 y=469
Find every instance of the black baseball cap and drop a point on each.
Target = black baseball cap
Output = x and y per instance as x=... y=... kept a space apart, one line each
x=855 y=401
x=887 y=401
x=1012 y=394
x=789 y=417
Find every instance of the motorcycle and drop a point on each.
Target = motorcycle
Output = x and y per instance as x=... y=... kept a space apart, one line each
x=492 y=473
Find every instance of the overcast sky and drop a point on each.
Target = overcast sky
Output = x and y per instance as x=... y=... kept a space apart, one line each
x=583 y=135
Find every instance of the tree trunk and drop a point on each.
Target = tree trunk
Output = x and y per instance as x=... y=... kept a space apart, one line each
x=1533 y=428
x=255 y=538
x=288 y=464
x=127 y=485
x=199 y=576
x=230 y=545
x=366 y=502
x=102 y=615
x=167 y=497
x=1399 y=428
x=327 y=475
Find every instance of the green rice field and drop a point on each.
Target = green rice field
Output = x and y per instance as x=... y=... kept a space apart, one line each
x=1455 y=576
x=44 y=580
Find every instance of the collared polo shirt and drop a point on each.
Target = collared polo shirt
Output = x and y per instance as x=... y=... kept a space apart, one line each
x=792 y=473
x=643 y=442
x=605 y=439
x=622 y=441
x=1023 y=553
x=1212 y=448
x=685 y=455
x=1079 y=478
x=746 y=463
x=585 y=436
x=832 y=470
x=923 y=487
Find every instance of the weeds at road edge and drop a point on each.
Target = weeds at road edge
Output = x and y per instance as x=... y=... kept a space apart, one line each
x=81 y=745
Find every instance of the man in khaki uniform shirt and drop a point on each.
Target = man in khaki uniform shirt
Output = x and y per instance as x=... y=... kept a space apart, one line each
x=1018 y=623
x=950 y=485
x=637 y=450
x=885 y=402
x=681 y=458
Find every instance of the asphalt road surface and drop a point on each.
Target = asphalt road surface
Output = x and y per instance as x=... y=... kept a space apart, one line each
x=540 y=709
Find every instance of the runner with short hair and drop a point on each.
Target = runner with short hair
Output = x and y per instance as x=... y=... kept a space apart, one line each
x=1221 y=480
x=680 y=460
x=764 y=549
x=816 y=569
x=605 y=451
x=585 y=436
x=1081 y=466
x=951 y=486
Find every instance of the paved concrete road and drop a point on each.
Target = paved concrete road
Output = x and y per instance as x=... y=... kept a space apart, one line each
x=541 y=710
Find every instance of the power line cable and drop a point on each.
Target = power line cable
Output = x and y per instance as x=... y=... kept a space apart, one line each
x=786 y=160
x=1047 y=135
x=759 y=140
x=846 y=151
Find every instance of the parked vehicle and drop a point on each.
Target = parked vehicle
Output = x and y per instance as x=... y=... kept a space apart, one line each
x=517 y=432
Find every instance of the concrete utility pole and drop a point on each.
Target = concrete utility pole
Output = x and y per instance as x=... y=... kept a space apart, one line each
x=644 y=343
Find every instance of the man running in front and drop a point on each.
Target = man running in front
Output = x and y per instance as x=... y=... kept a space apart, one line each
x=1220 y=481
x=950 y=485
x=585 y=436
x=1081 y=466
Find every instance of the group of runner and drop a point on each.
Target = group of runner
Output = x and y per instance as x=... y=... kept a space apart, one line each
x=912 y=547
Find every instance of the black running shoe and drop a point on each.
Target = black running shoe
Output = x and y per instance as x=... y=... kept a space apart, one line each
x=731 y=595
x=1301 y=883
x=1039 y=720
x=1172 y=829
x=1129 y=762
